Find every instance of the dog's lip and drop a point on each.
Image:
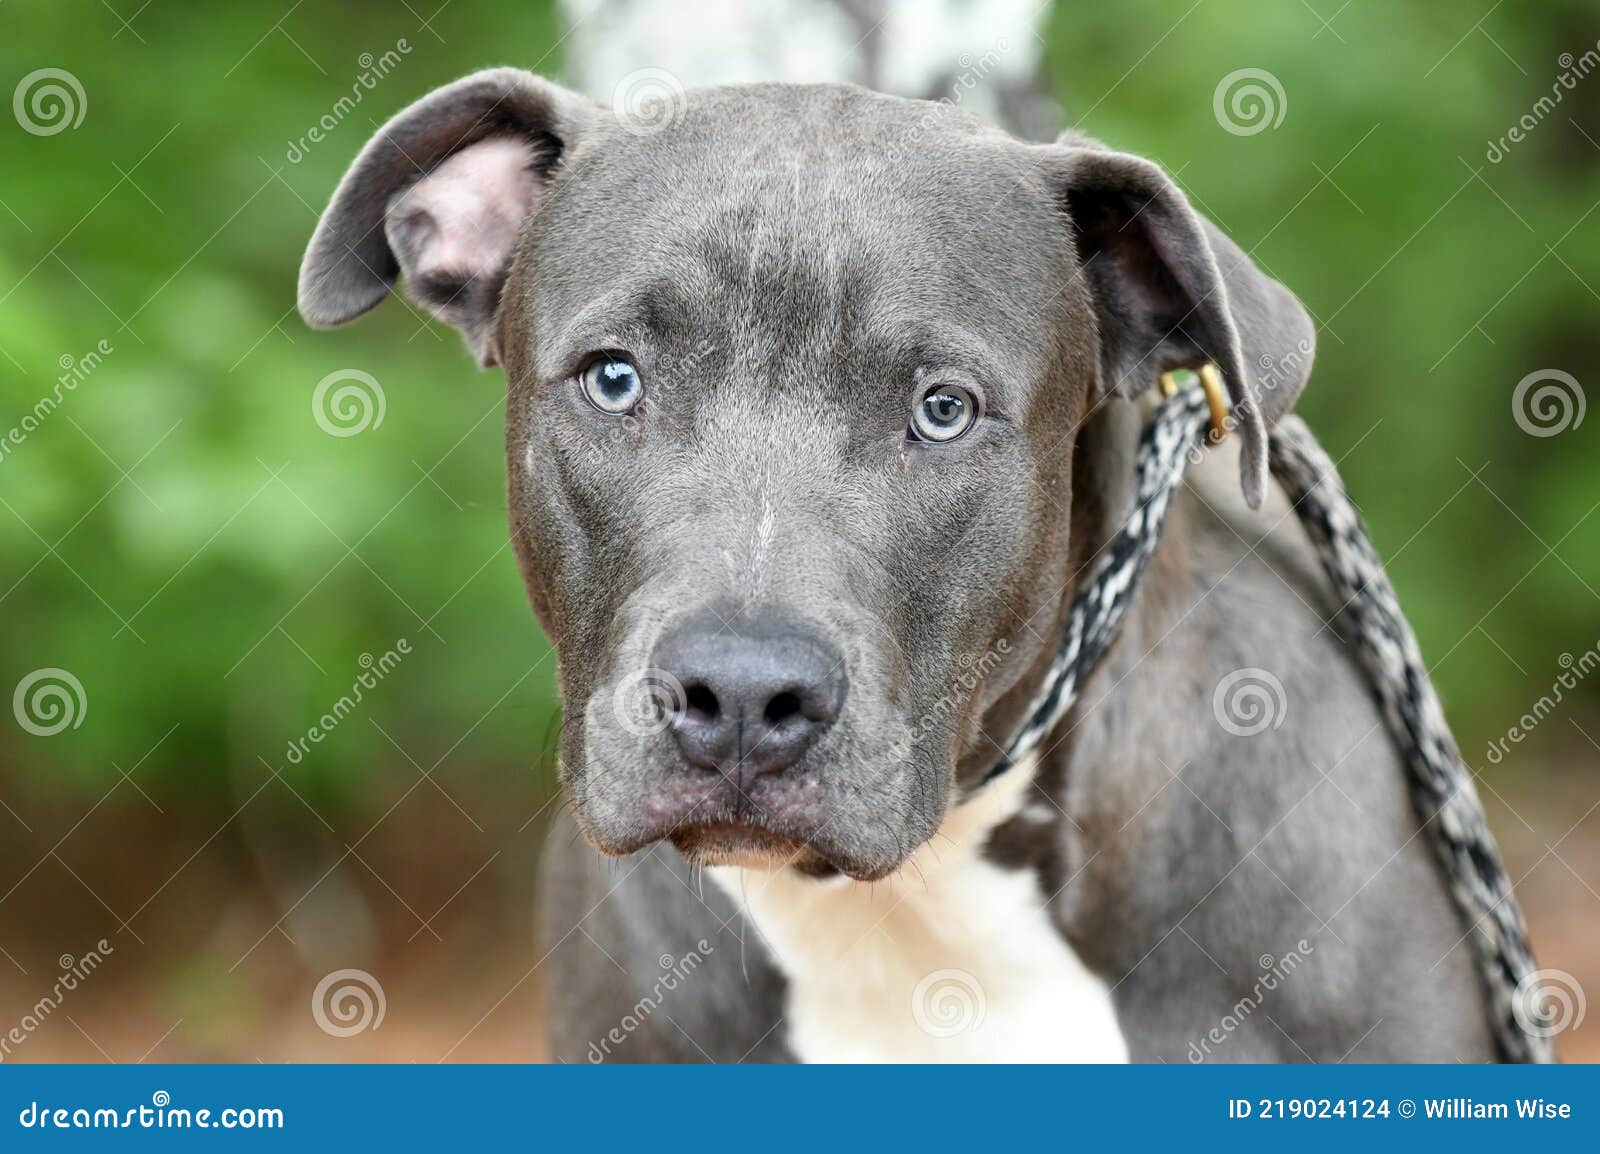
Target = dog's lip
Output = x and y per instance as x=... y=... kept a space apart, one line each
x=723 y=830
x=738 y=843
x=752 y=845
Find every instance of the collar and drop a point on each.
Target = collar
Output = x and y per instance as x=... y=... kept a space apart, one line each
x=1095 y=616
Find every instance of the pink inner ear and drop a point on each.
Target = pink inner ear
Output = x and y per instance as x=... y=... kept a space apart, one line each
x=461 y=220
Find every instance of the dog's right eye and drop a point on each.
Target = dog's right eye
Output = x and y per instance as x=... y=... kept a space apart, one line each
x=611 y=383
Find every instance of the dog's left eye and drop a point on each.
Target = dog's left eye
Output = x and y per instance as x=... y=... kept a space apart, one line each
x=943 y=414
x=612 y=385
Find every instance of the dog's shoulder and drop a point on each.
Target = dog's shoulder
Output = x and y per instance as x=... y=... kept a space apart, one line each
x=1239 y=805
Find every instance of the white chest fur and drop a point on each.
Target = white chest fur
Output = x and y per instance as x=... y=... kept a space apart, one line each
x=952 y=959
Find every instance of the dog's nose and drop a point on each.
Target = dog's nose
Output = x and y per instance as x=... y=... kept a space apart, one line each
x=755 y=694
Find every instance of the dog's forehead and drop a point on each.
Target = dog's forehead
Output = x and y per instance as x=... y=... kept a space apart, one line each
x=828 y=200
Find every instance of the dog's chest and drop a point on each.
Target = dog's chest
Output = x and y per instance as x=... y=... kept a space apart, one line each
x=953 y=959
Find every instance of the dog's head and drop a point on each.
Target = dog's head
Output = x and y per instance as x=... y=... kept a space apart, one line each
x=794 y=387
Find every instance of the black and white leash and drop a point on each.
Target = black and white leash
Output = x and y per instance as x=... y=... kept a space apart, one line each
x=1440 y=783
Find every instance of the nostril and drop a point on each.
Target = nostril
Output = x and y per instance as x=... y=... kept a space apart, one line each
x=700 y=703
x=781 y=707
x=753 y=699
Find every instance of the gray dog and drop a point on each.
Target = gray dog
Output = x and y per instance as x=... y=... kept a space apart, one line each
x=819 y=401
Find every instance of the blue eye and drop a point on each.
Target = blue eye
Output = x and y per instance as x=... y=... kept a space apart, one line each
x=944 y=413
x=612 y=384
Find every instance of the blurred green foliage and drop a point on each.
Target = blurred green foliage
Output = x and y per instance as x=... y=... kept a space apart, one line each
x=183 y=536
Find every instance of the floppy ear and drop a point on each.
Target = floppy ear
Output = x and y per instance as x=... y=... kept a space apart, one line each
x=439 y=195
x=1171 y=291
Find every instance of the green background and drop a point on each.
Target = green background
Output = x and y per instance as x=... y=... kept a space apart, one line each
x=1441 y=280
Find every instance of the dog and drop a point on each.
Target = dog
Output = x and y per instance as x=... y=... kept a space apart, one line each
x=819 y=404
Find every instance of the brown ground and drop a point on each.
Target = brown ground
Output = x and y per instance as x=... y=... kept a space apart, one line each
x=206 y=971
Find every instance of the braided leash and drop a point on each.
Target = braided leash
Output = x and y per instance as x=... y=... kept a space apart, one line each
x=1440 y=783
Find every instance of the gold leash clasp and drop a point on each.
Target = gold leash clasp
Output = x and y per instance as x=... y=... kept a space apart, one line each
x=1216 y=397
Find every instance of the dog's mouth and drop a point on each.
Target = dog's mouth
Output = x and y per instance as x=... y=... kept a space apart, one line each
x=750 y=846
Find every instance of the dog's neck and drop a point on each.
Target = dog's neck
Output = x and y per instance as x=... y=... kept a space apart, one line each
x=1104 y=489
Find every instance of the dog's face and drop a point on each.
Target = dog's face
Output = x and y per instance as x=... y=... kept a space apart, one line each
x=793 y=391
